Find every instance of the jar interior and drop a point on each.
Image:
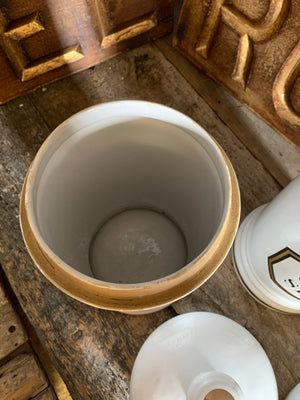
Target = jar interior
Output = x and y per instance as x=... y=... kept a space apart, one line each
x=142 y=165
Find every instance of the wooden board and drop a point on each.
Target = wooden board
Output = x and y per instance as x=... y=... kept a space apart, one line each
x=280 y=158
x=41 y=41
x=12 y=332
x=47 y=394
x=253 y=49
x=21 y=378
x=94 y=350
x=19 y=366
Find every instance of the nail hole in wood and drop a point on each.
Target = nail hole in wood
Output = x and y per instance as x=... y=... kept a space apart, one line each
x=12 y=328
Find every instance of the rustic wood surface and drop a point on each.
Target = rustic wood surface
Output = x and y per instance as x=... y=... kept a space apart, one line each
x=41 y=41
x=94 y=350
x=21 y=378
x=252 y=49
x=21 y=372
x=12 y=332
x=47 y=394
x=280 y=157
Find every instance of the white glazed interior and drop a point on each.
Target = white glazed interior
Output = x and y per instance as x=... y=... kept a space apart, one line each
x=94 y=168
x=137 y=245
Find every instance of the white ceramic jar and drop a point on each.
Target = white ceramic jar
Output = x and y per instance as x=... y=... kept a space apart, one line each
x=129 y=206
x=266 y=252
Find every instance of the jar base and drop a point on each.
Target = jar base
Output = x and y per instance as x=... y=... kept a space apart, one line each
x=137 y=245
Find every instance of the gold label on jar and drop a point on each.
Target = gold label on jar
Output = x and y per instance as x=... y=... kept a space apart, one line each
x=284 y=268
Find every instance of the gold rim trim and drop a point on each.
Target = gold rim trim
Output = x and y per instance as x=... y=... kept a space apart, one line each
x=280 y=256
x=253 y=295
x=134 y=298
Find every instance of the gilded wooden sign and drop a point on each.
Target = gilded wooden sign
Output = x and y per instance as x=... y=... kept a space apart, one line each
x=41 y=41
x=14 y=32
x=251 y=48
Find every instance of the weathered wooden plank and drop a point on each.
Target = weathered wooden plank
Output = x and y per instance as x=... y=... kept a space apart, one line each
x=13 y=336
x=55 y=379
x=21 y=378
x=94 y=350
x=281 y=159
x=47 y=394
x=12 y=332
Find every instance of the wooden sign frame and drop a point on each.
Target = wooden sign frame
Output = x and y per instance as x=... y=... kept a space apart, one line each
x=253 y=50
x=42 y=41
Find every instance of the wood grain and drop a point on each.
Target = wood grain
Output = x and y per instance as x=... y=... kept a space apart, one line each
x=252 y=49
x=280 y=158
x=94 y=350
x=12 y=332
x=47 y=394
x=15 y=340
x=44 y=41
x=21 y=378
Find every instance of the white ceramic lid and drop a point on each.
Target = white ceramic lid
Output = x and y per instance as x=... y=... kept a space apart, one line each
x=194 y=344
